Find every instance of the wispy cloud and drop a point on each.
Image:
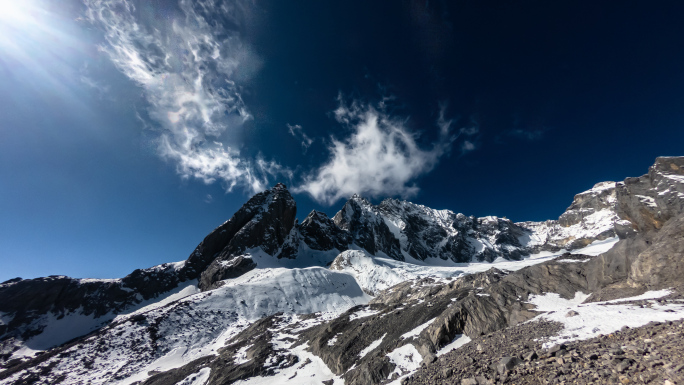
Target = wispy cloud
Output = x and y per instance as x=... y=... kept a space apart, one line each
x=471 y=130
x=381 y=157
x=298 y=133
x=467 y=146
x=190 y=68
x=529 y=134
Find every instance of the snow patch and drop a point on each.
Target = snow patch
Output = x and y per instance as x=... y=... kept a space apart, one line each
x=183 y=290
x=591 y=319
x=406 y=358
x=372 y=346
x=554 y=302
x=199 y=378
x=415 y=332
x=313 y=373
x=459 y=340
x=333 y=341
x=363 y=313
x=240 y=356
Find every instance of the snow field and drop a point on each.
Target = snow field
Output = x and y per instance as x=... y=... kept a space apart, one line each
x=374 y=273
x=583 y=321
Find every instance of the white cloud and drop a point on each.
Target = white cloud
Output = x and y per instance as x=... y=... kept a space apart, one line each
x=467 y=146
x=298 y=133
x=380 y=158
x=189 y=67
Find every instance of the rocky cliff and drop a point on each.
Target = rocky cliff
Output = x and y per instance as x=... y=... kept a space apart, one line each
x=592 y=216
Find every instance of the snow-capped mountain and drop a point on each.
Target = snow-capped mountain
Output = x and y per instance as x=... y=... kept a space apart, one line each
x=365 y=297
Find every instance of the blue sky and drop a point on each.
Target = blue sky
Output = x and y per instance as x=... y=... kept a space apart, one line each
x=130 y=129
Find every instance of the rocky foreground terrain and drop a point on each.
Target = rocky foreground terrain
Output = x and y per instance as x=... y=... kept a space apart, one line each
x=388 y=293
x=651 y=354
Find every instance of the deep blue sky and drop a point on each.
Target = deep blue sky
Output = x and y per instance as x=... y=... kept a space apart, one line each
x=111 y=111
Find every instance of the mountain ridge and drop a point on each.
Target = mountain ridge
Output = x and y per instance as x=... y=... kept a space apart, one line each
x=384 y=255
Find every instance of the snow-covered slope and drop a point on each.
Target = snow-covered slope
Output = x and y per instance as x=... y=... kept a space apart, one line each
x=375 y=274
x=167 y=335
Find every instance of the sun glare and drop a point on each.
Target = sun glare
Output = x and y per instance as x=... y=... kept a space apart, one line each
x=13 y=11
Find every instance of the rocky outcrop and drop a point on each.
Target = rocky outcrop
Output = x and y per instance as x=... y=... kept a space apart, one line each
x=367 y=228
x=649 y=201
x=264 y=221
x=660 y=265
x=591 y=217
x=651 y=211
x=26 y=302
x=427 y=233
x=600 y=197
x=613 y=209
x=319 y=233
x=650 y=354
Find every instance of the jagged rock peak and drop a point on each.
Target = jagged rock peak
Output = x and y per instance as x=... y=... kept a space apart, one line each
x=316 y=215
x=264 y=221
x=403 y=229
x=320 y=232
x=360 y=200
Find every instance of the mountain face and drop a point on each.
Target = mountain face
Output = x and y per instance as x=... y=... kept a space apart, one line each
x=264 y=221
x=406 y=284
x=592 y=216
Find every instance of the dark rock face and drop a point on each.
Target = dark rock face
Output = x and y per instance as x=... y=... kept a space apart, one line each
x=175 y=376
x=264 y=221
x=660 y=265
x=367 y=228
x=27 y=299
x=318 y=232
x=399 y=228
x=650 y=200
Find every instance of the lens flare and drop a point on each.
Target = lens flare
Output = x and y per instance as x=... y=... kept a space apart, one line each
x=14 y=11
